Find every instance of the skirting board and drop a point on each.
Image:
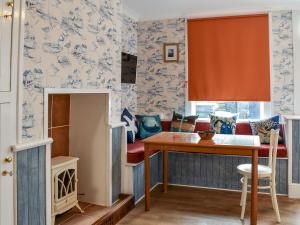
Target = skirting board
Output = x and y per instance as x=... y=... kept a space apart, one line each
x=141 y=198
x=294 y=191
x=217 y=189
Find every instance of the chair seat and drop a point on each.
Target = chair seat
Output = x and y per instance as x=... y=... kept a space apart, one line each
x=246 y=170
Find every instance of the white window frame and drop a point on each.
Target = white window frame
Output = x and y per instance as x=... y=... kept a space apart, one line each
x=265 y=111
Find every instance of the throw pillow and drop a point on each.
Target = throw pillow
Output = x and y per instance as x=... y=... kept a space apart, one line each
x=263 y=128
x=223 y=124
x=182 y=123
x=148 y=125
x=130 y=124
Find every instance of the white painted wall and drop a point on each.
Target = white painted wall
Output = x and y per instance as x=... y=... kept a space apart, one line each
x=89 y=141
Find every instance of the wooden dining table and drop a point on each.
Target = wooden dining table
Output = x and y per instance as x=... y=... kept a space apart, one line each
x=241 y=145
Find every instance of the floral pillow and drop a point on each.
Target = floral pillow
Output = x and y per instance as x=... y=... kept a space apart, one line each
x=263 y=128
x=223 y=124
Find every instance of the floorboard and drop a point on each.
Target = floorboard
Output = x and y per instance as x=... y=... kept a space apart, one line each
x=73 y=217
x=194 y=206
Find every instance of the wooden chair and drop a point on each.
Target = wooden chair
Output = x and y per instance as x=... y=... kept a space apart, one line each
x=264 y=173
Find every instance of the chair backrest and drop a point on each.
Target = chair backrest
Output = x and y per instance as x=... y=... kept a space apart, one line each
x=273 y=151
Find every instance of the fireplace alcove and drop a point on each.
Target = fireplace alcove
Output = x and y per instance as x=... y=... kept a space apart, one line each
x=90 y=140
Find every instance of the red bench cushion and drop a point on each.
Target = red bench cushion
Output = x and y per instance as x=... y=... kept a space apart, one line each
x=135 y=151
x=281 y=151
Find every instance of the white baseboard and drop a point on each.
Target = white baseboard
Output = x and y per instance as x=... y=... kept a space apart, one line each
x=141 y=198
x=220 y=189
x=294 y=191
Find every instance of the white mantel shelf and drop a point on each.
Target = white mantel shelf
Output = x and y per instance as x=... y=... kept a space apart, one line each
x=30 y=145
x=117 y=124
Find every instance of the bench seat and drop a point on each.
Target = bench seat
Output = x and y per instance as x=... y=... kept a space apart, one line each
x=135 y=151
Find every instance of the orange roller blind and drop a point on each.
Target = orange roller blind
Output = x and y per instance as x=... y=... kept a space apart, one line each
x=228 y=59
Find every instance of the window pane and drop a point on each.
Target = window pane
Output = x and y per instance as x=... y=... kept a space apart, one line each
x=204 y=110
x=245 y=110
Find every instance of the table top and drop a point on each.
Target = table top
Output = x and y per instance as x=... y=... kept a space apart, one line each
x=193 y=139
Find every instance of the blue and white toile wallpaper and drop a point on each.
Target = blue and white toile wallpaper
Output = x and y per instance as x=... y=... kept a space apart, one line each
x=77 y=44
x=283 y=65
x=129 y=97
x=129 y=45
x=129 y=35
x=160 y=86
x=70 y=44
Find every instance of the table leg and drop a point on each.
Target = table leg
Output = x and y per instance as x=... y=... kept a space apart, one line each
x=165 y=155
x=254 y=187
x=147 y=178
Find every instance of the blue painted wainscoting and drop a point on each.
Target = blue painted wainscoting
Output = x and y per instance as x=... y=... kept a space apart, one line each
x=296 y=151
x=204 y=170
x=116 y=162
x=216 y=171
x=139 y=176
x=31 y=189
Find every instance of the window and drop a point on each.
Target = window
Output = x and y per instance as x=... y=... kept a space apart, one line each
x=245 y=110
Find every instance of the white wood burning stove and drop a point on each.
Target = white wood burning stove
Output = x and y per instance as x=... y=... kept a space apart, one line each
x=64 y=185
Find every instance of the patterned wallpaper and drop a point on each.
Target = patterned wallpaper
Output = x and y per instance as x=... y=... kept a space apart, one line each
x=129 y=97
x=70 y=44
x=129 y=35
x=160 y=86
x=129 y=45
x=77 y=44
x=283 y=80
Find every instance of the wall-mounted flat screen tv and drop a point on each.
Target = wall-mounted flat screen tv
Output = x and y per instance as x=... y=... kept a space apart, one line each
x=128 y=74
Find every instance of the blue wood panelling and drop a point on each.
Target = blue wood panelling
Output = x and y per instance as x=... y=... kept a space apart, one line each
x=116 y=162
x=215 y=171
x=31 y=189
x=296 y=151
x=204 y=170
x=139 y=178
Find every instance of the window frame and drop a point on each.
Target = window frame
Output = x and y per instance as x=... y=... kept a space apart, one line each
x=265 y=111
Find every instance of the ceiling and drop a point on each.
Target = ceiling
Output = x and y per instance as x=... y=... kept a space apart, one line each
x=161 y=9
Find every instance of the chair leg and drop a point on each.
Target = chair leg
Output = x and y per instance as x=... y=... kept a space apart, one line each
x=244 y=197
x=274 y=200
x=271 y=191
x=243 y=192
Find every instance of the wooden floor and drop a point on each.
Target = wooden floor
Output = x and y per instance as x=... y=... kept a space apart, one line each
x=97 y=215
x=91 y=214
x=193 y=206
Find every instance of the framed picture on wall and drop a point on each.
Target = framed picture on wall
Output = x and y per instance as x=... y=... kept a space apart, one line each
x=171 y=52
